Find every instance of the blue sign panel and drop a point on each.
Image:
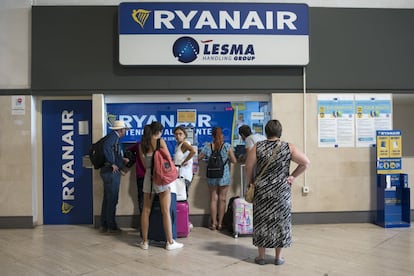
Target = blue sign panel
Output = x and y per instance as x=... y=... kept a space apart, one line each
x=217 y=18
x=201 y=116
x=67 y=185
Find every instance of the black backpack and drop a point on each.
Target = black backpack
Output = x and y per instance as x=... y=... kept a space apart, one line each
x=96 y=153
x=215 y=164
x=132 y=156
x=228 y=215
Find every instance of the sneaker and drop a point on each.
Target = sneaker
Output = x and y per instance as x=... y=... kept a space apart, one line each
x=174 y=245
x=191 y=226
x=103 y=229
x=144 y=245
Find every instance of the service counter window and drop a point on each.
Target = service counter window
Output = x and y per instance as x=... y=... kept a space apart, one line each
x=198 y=117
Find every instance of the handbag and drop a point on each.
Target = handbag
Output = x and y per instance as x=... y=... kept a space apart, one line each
x=249 y=196
x=181 y=189
x=180 y=186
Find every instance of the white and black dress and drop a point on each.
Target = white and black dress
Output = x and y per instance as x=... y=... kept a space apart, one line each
x=272 y=201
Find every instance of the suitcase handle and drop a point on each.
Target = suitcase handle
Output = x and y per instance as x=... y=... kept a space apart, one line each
x=242 y=179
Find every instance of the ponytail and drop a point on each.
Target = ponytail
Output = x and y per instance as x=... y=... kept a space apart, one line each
x=218 y=137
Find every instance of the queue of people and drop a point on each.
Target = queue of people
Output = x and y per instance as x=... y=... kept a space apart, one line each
x=272 y=199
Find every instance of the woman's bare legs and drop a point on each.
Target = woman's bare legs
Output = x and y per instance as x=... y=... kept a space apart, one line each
x=278 y=252
x=213 y=204
x=146 y=211
x=261 y=258
x=165 y=202
x=261 y=251
x=222 y=197
x=278 y=259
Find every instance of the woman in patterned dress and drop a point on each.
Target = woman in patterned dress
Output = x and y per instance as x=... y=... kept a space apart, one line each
x=272 y=199
x=218 y=187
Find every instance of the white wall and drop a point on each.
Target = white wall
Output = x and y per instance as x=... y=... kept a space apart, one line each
x=15 y=42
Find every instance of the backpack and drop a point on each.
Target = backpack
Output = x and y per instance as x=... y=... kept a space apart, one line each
x=229 y=214
x=163 y=169
x=132 y=156
x=215 y=164
x=96 y=153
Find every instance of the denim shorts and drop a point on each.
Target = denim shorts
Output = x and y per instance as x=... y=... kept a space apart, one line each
x=155 y=188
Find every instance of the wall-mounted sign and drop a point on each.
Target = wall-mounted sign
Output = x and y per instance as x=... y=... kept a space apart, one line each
x=185 y=33
x=389 y=151
x=348 y=120
x=373 y=112
x=18 y=105
x=200 y=117
x=336 y=120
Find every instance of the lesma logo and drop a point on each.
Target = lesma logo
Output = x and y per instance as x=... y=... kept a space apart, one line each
x=186 y=49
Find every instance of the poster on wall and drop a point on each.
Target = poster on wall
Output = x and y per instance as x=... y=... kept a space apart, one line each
x=373 y=112
x=200 y=116
x=336 y=120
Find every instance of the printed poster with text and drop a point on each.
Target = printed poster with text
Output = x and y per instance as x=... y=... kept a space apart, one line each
x=373 y=112
x=336 y=120
x=389 y=151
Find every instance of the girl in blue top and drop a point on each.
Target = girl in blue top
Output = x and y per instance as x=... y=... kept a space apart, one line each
x=218 y=187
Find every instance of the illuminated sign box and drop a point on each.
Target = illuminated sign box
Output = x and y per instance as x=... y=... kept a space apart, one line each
x=177 y=33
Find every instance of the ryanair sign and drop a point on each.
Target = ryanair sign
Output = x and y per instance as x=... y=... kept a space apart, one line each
x=213 y=34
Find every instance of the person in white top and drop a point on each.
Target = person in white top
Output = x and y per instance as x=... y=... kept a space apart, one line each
x=249 y=138
x=183 y=157
x=184 y=153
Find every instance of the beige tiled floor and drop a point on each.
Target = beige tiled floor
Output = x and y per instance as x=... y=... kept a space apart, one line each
x=335 y=249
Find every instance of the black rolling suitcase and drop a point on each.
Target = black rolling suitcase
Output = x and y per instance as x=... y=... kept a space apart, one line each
x=156 y=229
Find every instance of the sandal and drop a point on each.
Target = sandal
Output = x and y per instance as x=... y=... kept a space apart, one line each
x=220 y=227
x=259 y=261
x=212 y=227
x=279 y=261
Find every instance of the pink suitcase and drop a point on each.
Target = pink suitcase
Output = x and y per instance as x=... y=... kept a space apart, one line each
x=242 y=211
x=182 y=221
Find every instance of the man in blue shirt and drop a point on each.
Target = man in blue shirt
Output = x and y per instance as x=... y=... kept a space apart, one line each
x=111 y=176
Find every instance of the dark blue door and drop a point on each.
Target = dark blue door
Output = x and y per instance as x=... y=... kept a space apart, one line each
x=67 y=185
